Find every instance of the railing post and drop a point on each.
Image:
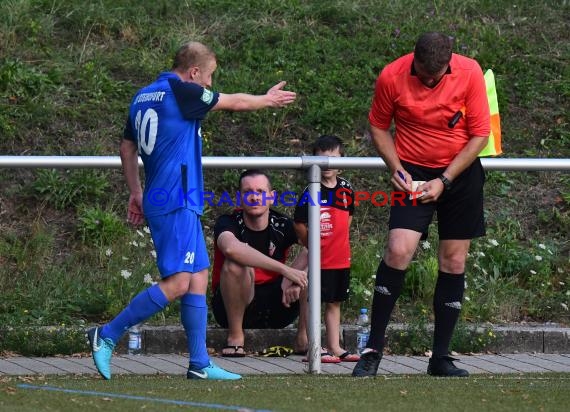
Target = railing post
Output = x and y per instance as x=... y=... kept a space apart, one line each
x=314 y=241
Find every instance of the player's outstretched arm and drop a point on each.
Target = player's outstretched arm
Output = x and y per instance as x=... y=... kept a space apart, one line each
x=275 y=97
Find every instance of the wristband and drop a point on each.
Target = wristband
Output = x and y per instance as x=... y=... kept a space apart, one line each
x=445 y=181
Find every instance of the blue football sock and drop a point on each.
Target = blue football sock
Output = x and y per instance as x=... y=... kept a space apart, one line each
x=142 y=307
x=194 y=317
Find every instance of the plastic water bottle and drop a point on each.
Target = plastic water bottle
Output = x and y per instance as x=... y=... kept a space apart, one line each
x=363 y=331
x=135 y=340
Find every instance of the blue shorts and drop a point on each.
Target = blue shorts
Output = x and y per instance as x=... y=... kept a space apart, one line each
x=179 y=242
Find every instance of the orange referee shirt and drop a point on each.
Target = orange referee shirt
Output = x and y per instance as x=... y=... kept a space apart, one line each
x=421 y=114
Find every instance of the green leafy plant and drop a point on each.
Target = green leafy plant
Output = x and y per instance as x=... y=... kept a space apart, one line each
x=416 y=337
x=364 y=263
x=421 y=277
x=63 y=189
x=100 y=227
x=22 y=81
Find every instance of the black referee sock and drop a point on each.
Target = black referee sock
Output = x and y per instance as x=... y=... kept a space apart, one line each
x=389 y=282
x=447 y=307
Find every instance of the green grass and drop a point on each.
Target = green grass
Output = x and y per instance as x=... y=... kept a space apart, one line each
x=69 y=68
x=548 y=392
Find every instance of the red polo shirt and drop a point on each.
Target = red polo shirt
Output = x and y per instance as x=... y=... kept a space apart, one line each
x=421 y=114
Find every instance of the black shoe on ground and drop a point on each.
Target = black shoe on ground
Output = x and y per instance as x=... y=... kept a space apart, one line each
x=443 y=366
x=368 y=364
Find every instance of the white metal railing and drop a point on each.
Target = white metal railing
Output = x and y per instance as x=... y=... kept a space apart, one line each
x=313 y=164
x=300 y=162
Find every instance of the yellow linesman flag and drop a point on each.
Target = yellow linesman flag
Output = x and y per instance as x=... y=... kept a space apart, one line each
x=493 y=147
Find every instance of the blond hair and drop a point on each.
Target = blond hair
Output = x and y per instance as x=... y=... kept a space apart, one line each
x=192 y=54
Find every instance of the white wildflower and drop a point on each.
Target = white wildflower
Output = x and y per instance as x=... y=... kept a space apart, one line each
x=550 y=252
x=484 y=271
x=141 y=234
x=373 y=276
x=134 y=243
x=494 y=242
x=108 y=252
x=564 y=305
x=467 y=298
x=426 y=245
x=124 y=258
x=561 y=283
x=378 y=256
x=538 y=258
x=148 y=278
x=153 y=253
x=480 y=254
x=126 y=274
x=367 y=292
x=533 y=272
x=542 y=246
x=146 y=229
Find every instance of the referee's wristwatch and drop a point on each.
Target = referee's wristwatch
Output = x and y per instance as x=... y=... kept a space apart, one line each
x=446 y=181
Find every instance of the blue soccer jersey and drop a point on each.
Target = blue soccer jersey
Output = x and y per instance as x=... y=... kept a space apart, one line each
x=165 y=122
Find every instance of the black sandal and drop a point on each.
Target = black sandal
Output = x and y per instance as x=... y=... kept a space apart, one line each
x=236 y=353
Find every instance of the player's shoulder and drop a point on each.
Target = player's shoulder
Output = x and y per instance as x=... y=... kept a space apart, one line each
x=402 y=65
x=343 y=183
x=460 y=62
x=277 y=216
x=279 y=221
x=188 y=88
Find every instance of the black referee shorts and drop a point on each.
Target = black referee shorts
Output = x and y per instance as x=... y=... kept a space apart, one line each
x=459 y=209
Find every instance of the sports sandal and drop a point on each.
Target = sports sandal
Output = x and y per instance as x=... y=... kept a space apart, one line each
x=326 y=357
x=236 y=351
x=349 y=357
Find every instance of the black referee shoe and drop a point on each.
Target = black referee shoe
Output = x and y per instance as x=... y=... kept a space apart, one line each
x=368 y=364
x=443 y=366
